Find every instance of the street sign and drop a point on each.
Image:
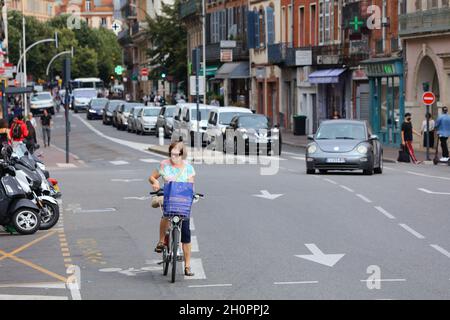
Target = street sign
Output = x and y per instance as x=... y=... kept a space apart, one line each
x=428 y=98
x=144 y=72
x=201 y=86
x=226 y=55
x=144 y=78
x=116 y=27
x=119 y=70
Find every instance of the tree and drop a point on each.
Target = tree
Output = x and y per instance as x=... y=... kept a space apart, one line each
x=168 y=37
x=85 y=63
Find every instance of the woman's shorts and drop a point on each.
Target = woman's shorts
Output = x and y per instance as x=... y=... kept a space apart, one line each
x=185 y=231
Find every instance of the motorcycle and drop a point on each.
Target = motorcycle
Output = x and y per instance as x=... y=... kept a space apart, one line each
x=16 y=210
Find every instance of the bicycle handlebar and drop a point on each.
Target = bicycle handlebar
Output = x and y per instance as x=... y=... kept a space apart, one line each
x=160 y=192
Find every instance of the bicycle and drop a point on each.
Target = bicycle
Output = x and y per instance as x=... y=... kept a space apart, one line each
x=173 y=238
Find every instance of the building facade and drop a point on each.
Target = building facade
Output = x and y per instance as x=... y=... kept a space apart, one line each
x=96 y=13
x=425 y=32
x=41 y=10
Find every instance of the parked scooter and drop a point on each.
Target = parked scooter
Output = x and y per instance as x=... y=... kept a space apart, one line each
x=16 y=210
x=38 y=189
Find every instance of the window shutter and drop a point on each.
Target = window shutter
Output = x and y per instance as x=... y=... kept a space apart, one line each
x=270 y=25
x=257 y=30
x=251 y=30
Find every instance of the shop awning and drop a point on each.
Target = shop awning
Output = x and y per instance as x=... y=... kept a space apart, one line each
x=234 y=70
x=326 y=76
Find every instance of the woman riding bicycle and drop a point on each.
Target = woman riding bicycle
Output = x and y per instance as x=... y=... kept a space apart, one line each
x=175 y=169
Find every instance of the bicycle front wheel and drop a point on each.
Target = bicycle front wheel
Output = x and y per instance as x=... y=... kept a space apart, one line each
x=166 y=256
x=175 y=239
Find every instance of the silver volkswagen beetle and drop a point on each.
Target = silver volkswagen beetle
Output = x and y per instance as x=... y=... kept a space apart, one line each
x=344 y=145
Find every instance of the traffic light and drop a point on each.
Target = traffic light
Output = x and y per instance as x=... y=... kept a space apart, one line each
x=112 y=78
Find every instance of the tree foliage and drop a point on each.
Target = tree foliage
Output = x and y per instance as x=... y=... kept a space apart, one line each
x=168 y=37
x=96 y=51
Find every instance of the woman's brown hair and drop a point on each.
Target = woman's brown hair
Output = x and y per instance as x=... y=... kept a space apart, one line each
x=183 y=151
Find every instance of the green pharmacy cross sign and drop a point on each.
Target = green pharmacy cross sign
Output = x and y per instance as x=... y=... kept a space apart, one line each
x=356 y=23
x=119 y=70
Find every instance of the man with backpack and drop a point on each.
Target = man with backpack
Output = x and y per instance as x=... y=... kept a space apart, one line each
x=19 y=130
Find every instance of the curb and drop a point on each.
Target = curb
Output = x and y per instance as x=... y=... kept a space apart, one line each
x=158 y=151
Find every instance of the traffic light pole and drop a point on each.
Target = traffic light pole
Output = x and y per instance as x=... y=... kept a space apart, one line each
x=67 y=75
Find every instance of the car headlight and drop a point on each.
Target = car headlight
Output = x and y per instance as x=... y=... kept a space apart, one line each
x=92 y=111
x=312 y=149
x=224 y=130
x=362 y=149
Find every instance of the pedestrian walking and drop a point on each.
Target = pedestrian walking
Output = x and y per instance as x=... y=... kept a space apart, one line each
x=429 y=133
x=407 y=137
x=18 y=130
x=46 y=123
x=32 y=120
x=31 y=139
x=443 y=131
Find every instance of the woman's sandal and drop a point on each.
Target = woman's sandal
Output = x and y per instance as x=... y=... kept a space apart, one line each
x=188 y=272
x=159 y=247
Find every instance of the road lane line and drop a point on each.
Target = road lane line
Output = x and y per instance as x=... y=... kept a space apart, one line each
x=364 y=198
x=211 y=285
x=194 y=244
x=191 y=224
x=34 y=297
x=387 y=214
x=432 y=192
x=119 y=163
x=299 y=158
x=330 y=181
x=426 y=175
x=411 y=230
x=347 y=188
x=39 y=285
x=296 y=282
x=20 y=249
x=441 y=250
x=384 y=280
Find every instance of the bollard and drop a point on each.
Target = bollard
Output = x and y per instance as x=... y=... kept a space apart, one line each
x=161 y=136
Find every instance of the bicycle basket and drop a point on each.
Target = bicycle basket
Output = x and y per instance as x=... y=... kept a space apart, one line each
x=178 y=197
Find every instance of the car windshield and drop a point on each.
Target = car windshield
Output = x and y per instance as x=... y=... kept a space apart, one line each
x=85 y=94
x=203 y=114
x=136 y=110
x=41 y=97
x=225 y=118
x=154 y=112
x=113 y=104
x=169 y=112
x=258 y=122
x=127 y=107
x=341 y=131
x=100 y=103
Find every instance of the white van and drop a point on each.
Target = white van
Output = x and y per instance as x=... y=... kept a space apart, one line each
x=188 y=125
x=218 y=120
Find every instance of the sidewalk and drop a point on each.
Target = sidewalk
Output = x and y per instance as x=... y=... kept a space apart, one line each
x=55 y=158
x=390 y=154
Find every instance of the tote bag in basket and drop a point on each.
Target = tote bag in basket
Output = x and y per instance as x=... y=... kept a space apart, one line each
x=178 y=198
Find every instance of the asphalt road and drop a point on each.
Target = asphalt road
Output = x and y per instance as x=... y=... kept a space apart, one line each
x=378 y=237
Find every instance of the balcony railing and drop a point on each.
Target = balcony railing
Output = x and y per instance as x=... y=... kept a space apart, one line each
x=284 y=54
x=190 y=7
x=240 y=52
x=423 y=22
x=278 y=52
x=138 y=27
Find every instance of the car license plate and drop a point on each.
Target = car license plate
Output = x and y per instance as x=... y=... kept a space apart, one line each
x=335 y=160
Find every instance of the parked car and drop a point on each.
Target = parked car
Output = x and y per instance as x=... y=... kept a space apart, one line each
x=177 y=122
x=42 y=101
x=165 y=120
x=218 y=121
x=252 y=133
x=133 y=117
x=108 y=110
x=344 y=145
x=82 y=97
x=96 y=107
x=188 y=127
x=146 y=121
x=122 y=114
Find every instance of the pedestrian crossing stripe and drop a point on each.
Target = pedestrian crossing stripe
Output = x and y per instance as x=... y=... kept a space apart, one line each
x=119 y=163
x=66 y=165
x=149 y=160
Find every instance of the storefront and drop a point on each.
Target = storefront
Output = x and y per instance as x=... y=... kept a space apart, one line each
x=387 y=103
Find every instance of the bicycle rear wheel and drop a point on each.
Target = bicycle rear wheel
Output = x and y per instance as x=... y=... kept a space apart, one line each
x=174 y=253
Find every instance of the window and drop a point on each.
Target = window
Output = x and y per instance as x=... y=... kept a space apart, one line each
x=283 y=24
x=290 y=31
x=418 y=5
x=325 y=21
x=313 y=26
x=262 y=29
x=88 y=5
x=270 y=25
x=301 y=26
x=103 y=22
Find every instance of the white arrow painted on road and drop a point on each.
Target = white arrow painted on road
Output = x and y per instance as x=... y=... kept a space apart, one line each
x=266 y=195
x=432 y=192
x=318 y=256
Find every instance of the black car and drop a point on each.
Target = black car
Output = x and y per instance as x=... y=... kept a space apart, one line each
x=95 y=110
x=108 y=111
x=252 y=133
x=344 y=145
